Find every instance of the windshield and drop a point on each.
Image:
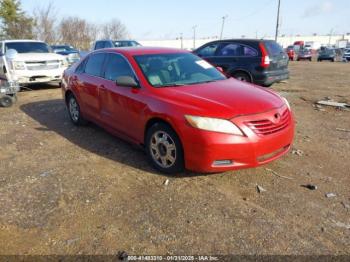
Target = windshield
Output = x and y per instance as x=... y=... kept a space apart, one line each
x=59 y=48
x=28 y=47
x=178 y=69
x=126 y=43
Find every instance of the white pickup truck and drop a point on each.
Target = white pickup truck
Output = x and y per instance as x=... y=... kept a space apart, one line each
x=32 y=63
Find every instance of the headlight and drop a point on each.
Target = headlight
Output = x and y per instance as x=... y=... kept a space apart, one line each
x=213 y=124
x=286 y=102
x=18 y=65
x=64 y=63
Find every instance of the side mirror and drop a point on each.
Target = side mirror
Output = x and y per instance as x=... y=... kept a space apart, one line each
x=127 y=81
x=220 y=69
x=11 y=54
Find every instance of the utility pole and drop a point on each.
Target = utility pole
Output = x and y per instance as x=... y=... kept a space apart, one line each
x=330 y=37
x=223 y=25
x=182 y=38
x=194 y=36
x=278 y=20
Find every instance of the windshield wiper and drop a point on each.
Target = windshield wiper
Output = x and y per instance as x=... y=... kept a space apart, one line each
x=169 y=85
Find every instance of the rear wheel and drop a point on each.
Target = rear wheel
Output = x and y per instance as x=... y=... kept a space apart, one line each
x=164 y=149
x=241 y=76
x=74 y=111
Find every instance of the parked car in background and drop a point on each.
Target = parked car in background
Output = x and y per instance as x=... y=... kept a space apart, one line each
x=184 y=111
x=72 y=55
x=114 y=43
x=290 y=50
x=305 y=54
x=262 y=62
x=346 y=55
x=326 y=54
x=33 y=62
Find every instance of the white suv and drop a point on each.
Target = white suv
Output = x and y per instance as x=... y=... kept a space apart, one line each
x=33 y=63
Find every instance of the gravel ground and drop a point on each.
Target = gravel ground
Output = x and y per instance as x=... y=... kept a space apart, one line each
x=69 y=190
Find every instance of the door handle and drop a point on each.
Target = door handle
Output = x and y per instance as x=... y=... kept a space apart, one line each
x=102 y=87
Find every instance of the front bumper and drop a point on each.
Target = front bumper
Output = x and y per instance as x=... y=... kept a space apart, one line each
x=203 y=150
x=40 y=76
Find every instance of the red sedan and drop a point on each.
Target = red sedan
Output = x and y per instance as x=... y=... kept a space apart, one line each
x=181 y=109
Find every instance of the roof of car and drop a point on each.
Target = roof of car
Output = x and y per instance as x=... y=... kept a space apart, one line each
x=143 y=50
x=23 y=40
x=243 y=40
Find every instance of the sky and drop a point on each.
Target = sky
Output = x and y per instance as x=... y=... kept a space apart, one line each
x=164 y=19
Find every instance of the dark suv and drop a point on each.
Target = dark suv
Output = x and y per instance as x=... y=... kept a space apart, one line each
x=100 y=44
x=262 y=62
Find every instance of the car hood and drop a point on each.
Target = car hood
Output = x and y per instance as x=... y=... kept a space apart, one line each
x=222 y=99
x=38 y=57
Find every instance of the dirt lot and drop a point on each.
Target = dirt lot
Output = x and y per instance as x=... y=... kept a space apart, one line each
x=68 y=190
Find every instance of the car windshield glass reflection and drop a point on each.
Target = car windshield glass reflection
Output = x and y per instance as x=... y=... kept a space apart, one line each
x=163 y=70
x=28 y=47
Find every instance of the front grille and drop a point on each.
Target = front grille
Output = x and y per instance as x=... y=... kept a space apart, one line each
x=43 y=65
x=265 y=127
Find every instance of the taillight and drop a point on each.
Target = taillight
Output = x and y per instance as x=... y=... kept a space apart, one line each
x=265 y=60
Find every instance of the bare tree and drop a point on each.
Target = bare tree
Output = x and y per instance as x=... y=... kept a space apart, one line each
x=114 y=30
x=45 y=19
x=77 y=32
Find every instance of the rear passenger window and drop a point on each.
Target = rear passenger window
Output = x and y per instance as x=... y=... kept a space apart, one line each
x=94 y=65
x=208 y=50
x=117 y=66
x=81 y=68
x=237 y=50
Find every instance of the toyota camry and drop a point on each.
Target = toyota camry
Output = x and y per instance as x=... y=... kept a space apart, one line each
x=181 y=109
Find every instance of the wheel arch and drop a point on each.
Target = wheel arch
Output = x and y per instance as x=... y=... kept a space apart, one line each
x=153 y=120
x=241 y=70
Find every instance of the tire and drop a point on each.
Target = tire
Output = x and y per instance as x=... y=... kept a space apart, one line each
x=6 y=101
x=244 y=77
x=333 y=60
x=310 y=59
x=319 y=60
x=74 y=111
x=164 y=149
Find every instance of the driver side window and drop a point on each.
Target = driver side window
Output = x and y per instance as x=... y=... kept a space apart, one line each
x=208 y=51
x=117 y=66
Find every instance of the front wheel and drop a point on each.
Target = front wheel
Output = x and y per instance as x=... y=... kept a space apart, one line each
x=74 y=111
x=164 y=149
x=6 y=101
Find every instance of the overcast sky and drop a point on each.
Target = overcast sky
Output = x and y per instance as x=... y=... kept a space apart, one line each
x=162 y=19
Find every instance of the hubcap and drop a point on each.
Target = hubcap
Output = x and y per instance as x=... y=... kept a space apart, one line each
x=163 y=149
x=242 y=78
x=74 y=109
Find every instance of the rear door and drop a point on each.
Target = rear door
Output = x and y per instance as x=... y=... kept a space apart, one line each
x=278 y=57
x=89 y=82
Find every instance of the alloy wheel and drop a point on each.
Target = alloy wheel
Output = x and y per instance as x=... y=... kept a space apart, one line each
x=163 y=149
